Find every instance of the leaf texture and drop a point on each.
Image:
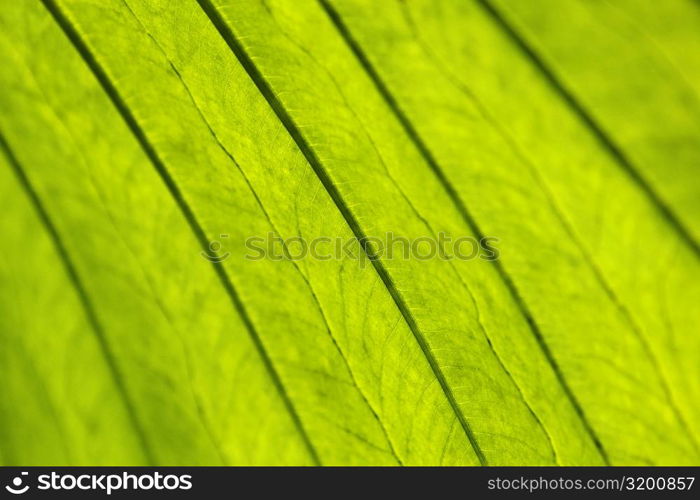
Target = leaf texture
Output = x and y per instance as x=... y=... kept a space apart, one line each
x=137 y=132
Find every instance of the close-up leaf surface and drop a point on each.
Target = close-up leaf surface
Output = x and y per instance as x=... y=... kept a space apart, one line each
x=137 y=134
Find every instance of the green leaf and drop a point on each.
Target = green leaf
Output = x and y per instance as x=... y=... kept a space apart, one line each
x=142 y=136
x=640 y=69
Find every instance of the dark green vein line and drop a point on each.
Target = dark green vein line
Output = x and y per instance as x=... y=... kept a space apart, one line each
x=89 y=309
x=464 y=212
x=159 y=165
x=598 y=131
x=313 y=160
x=430 y=228
x=597 y=271
x=415 y=211
x=70 y=135
x=258 y=201
x=558 y=212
